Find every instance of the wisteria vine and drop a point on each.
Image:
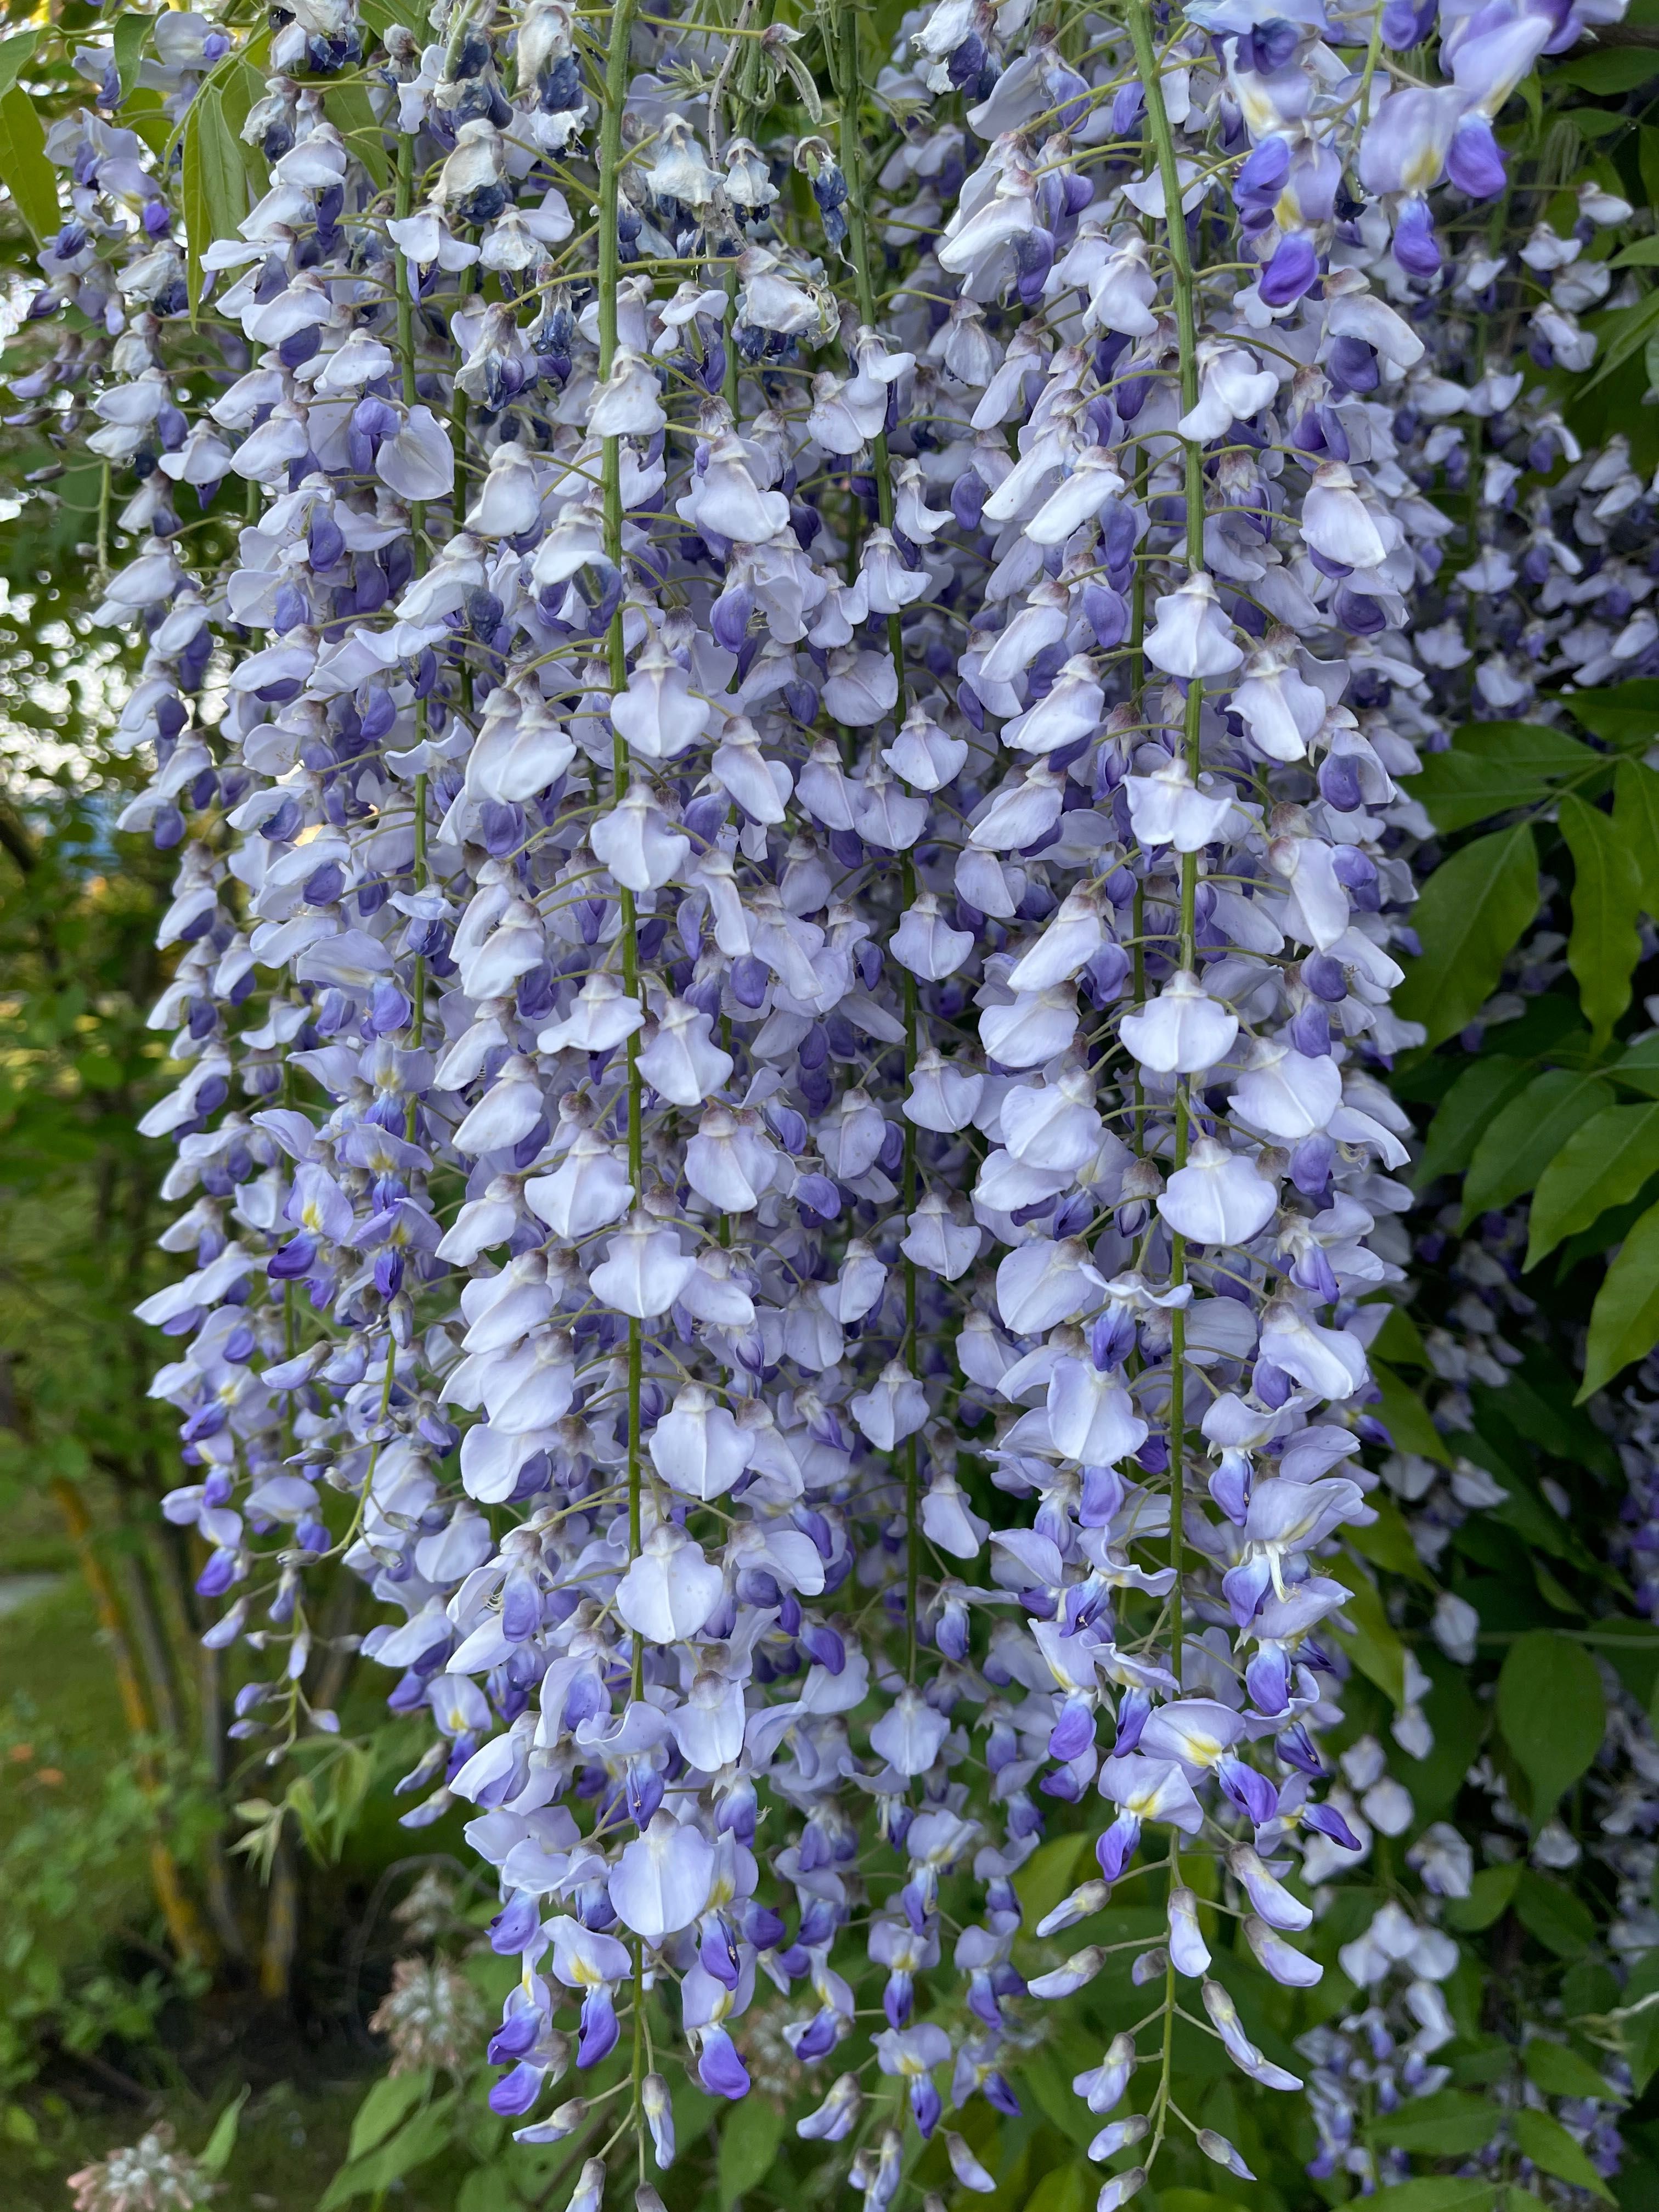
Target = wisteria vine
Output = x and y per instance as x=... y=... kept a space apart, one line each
x=790 y=880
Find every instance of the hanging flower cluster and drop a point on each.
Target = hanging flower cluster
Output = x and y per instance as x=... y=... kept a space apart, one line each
x=782 y=737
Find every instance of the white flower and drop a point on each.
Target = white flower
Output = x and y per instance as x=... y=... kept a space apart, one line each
x=643 y=1270
x=670 y=1589
x=629 y=404
x=1182 y=1031
x=910 y=1735
x=949 y=1522
x=588 y=1189
x=894 y=1409
x=682 y=1063
x=1091 y=1418
x=1218 y=1197
x=926 y=943
x=697 y=1447
x=635 y=843
x=661 y=1881
x=1167 y=808
x=1233 y=386
x=1191 y=638
x=419 y=463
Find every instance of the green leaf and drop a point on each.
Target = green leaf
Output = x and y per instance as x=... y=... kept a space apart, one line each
x=1466 y=1111
x=239 y=86
x=347 y=109
x=1540 y=1403
x=16 y=54
x=1624 y=1322
x=1449 y=2125
x=432 y=2130
x=1549 y=1910
x=1493 y=767
x=489 y=2189
x=1594 y=123
x=1642 y=255
x=24 y=169
x=1460 y=1728
x=130 y=32
x=1604 y=1163
x=1472 y=912
x=215 y=183
x=1046 y=1875
x=1620 y=334
x=1046 y=2081
x=1519 y=1143
x=1594 y=1242
x=1539 y=747
x=1550 y=2147
x=1625 y=715
x=1607 y=896
x=215 y=2154
x=1560 y=2072
x=1436 y=2192
x=1065 y=2189
x=1638 y=1068
x=1371 y=1643
x=1635 y=817
x=1608 y=70
x=1406 y=1418
x=750 y=2135
x=1488 y=1899
x=1399 y=1340
x=381 y=15
x=1640 y=2030
x=386 y=2107
x=144 y=112
x=1386 y=1542
x=1553 y=1712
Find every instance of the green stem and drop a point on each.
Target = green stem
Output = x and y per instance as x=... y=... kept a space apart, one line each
x=1184 y=289
x=1373 y=55
x=911 y=1467
x=857 y=239
x=405 y=202
x=743 y=100
x=844 y=60
x=610 y=161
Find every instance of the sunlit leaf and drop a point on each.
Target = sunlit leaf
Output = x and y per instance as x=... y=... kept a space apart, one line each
x=24 y=169
x=216 y=187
